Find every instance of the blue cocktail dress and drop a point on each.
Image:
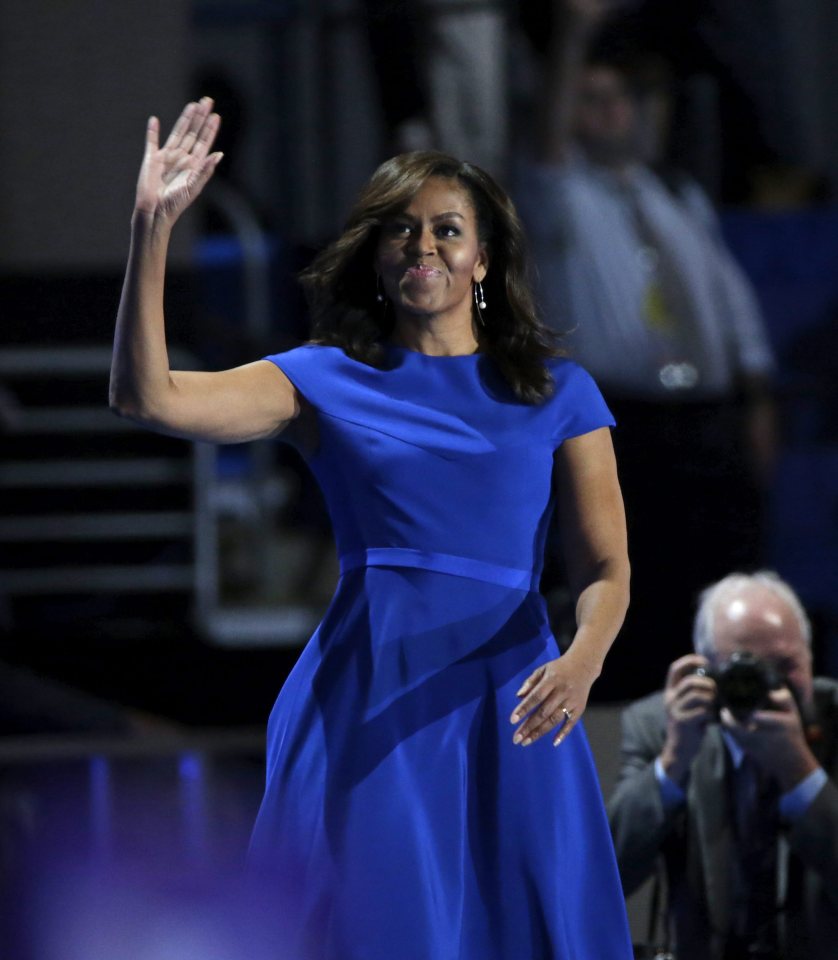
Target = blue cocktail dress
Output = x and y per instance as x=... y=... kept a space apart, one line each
x=399 y=820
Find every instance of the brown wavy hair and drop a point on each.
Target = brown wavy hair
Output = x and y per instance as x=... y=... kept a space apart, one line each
x=340 y=284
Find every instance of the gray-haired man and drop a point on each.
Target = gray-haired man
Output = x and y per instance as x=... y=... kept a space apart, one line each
x=741 y=804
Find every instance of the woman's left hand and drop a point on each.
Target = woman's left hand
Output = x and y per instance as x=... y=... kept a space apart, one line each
x=554 y=695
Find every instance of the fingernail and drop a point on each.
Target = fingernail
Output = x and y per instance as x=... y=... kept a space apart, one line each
x=517 y=738
x=518 y=694
x=527 y=742
x=557 y=741
x=513 y=718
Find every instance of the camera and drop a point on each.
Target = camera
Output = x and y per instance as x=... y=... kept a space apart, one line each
x=743 y=683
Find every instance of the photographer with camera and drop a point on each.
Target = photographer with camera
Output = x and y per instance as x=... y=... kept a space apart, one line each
x=729 y=778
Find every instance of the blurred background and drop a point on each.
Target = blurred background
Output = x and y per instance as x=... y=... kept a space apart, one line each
x=154 y=593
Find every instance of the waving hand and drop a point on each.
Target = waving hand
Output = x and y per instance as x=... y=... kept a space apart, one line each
x=173 y=175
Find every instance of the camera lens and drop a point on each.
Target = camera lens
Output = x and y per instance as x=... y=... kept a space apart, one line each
x=744 y=684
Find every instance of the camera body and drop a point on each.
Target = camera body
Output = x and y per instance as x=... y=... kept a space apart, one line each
x=744 y=683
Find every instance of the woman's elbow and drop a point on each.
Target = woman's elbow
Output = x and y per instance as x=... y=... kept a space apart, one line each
x=123 y=401
x=622 y=577
x=120 y=404
x=625 y=573
x=615 y=569
x=616 y=573
x=128 y=406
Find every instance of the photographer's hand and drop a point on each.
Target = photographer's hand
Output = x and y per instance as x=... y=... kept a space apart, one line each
x=688 y=698
x=776 y=740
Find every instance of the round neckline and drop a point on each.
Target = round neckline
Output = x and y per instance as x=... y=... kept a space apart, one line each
x=433 y=356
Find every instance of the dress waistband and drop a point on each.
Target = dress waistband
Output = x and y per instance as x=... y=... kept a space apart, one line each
x=440 y=563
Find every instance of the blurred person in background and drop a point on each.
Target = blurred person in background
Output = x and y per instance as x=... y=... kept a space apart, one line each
x=741 y=118
x=729 y=776
x=442 y=78
x=633 y=267
x=407 y=812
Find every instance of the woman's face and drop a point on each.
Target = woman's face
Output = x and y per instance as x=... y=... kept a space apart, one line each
x=429 y=254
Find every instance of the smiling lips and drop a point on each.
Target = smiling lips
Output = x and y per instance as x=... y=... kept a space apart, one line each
x=422 y=272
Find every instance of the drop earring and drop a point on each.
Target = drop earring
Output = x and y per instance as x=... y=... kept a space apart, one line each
x=479 y=301
x=379 y=289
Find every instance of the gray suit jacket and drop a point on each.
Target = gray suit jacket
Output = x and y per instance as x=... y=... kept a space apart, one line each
x=695 y=841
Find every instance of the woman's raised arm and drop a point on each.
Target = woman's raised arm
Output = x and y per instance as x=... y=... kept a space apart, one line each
x=245 y=403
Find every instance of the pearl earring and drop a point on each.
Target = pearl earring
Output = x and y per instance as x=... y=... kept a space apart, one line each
x=479 y=302
x=379 y=290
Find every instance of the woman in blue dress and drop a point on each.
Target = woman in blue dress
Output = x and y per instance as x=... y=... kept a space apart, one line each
x=414 y=807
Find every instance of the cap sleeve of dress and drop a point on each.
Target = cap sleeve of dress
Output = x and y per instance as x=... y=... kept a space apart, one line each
x=308 y=367
x=579 y=405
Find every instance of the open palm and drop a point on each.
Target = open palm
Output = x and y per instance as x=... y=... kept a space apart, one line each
x=173 y=175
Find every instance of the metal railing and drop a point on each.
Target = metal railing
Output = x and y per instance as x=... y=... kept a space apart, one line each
x=34 y=475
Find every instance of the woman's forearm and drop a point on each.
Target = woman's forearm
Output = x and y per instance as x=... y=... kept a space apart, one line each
x=593 y=524
x=562 y=685
x=140 y=381
x=600 y=610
